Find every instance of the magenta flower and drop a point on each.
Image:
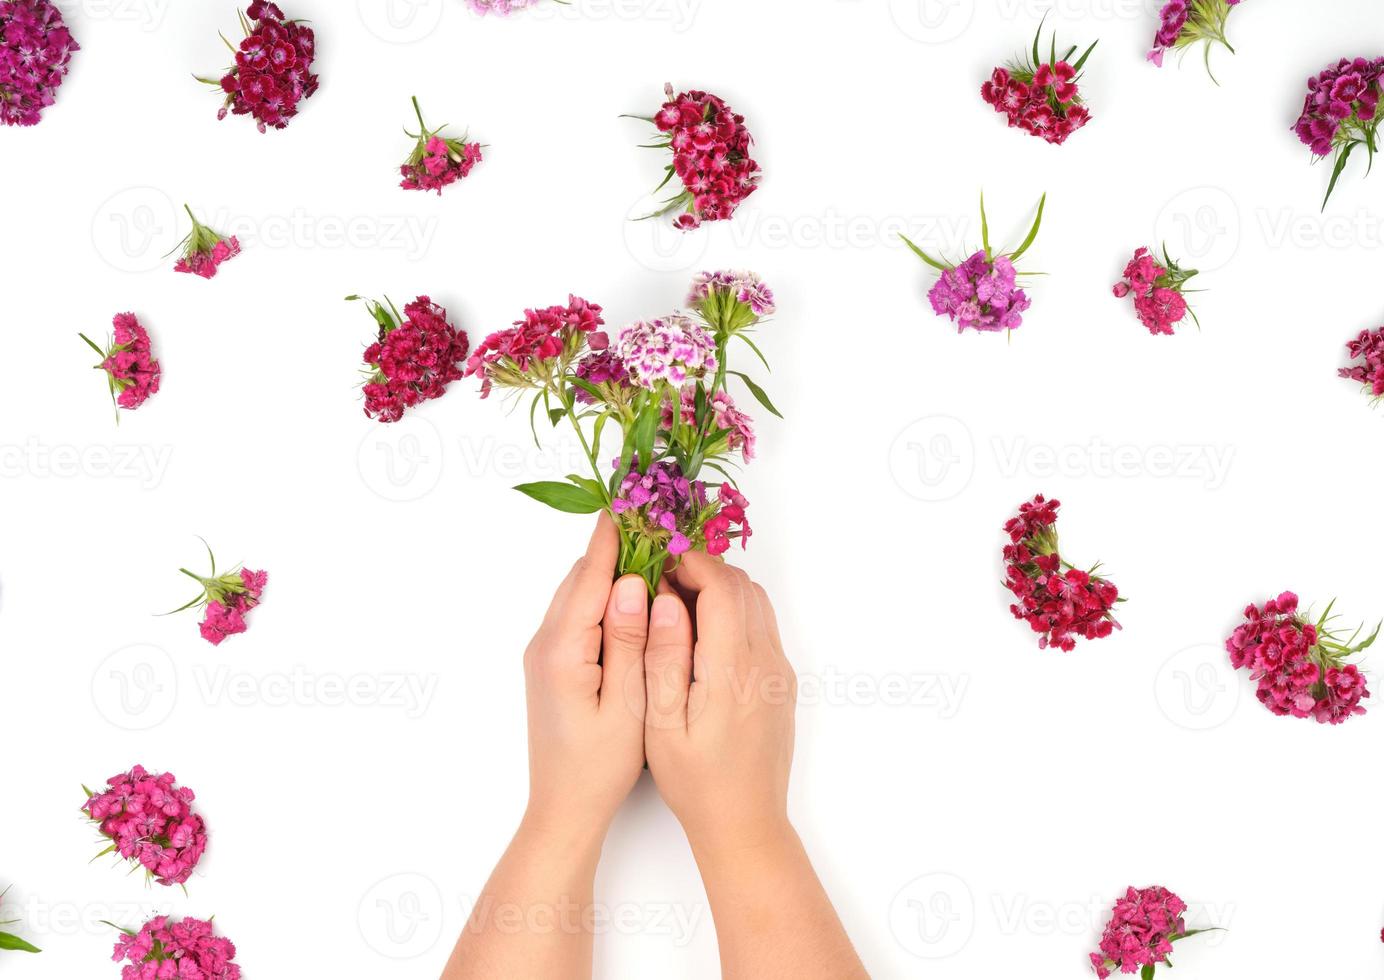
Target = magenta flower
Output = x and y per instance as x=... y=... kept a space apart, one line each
x=272 y=74
x=204 y=250
x=1140 y=935
x=225 y=600
x=132 y=374
x=437 y=161
x=1368 y=350
x=149 y=820
x=1158 y=290
x=35 y=50
x=413 y=359
x=672 y=349
x=1182 y=23
x=176 y=949
x=1341 y=112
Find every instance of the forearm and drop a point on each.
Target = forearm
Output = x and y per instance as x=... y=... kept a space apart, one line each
x=533 y=918
x=773 y=918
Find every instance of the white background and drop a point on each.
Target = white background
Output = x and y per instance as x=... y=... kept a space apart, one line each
x=981 y=833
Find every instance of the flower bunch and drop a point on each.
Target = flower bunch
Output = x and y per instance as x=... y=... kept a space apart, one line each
x=663 y=383
x=1039 y=95
x=132 y=374
x=273 y=68
x=9 y=940
x=437 y=161
x=175 y=948
x=1157 y=288
x=1368 y=349
x=1182 y=23
x=1140 y=934
x=35 y=50
x=1341 y=113
x=414 y=358
x=501 y=7
x=226 y=600
x=711 y=157
x=1056 y=599
x=204 y=249
x=981 y=292
x=1299 y=664
x=149 y=820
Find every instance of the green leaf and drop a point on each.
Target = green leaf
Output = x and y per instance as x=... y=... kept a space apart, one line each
x=8 y=941
x=1032 y=232
x=923 y=255
x=563 y=497
x=588 y=484
x=1037 y=36
x=1341 y=159
x=1082 y=60
x=556 y=415
x=758 y=353
x=758 y=393
x=589 y=388
x=984 y=226
x=646 y=431
x=1147 y=972
x=533 y=419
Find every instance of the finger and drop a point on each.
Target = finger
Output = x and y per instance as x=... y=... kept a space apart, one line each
x=668 y=664
x=581 y=599
x=766 y=608
x=625 y=631
x=720 y=601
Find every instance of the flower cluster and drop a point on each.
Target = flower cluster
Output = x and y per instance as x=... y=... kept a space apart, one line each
x=35 y=50
x=501 y=7
x=1341 y=112
x=132 y=374
x=204 y=249
x=413 y=359
x=1140 y=934
x=1039 y=95
x=9 y=940
x=1300 y=665
x=711 y=157
x=1182 y=23
x=1056 y=599
x=226 y=600
x=177 y=949
x=1157 y=288
x=663 y=384
x=981 y=293
x=1368 y=349
x=437 y=161
x=273 y=68
x=520 y=356
x=149 y=820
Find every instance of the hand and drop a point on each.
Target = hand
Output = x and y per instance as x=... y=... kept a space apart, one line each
x=584 y=673
x=719 y=722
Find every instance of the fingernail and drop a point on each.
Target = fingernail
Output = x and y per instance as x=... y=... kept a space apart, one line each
x=630 y=595
x=665 y=611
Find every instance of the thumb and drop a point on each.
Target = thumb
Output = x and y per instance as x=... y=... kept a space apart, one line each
x=625 y=628
x=668 y=664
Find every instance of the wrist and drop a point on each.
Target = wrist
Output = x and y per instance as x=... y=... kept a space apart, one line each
x=758 y=848
x=557 y=836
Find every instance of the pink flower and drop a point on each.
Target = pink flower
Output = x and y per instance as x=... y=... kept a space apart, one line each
x=1368 y=350
x=507 y=357
x=412 y=361
x=226 y=600
x=980 y=294
x=1140 y=934
x=204 y=250
x=150 y=822
x=132 y=372
x=1041 y=99
x=1157 y=290
x=176 y=949
x=273 y=69
x=35 y=50
x=437 y=161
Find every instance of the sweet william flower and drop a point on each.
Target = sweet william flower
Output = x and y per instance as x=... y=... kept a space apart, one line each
x=1341 y=113
x=437 y=160
x=415 y=356
x=1183 y=23
x=1139 y=937
x=165 y=948
x=205 y=250
x=502 y=8
x=132 y=374
x=149 y=820
x=522 y=356
x=672 y=349
x=225 y=600
x=35 y=51
x=1367 y=350
x=272 y=74
x=1158 y=290
x=1040 y=95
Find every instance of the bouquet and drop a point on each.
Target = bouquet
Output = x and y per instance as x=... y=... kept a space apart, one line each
x=1040 y=95
x=711 y=158
x=981 y=293
x=149 y=820
x=1341 y=113
x=132 y=374
x=1368 y=349
x=204 y=250
x=175 y=948
x=35 y=50
x=414 y=357
x=1157 y=288
x=273 y=68
x=1140 y=934
x=1183 y=23
x=663 y=383
x=1300 y=665
x=226 y=600
x=9 y=940
x=437 y=161
x=1057 y=599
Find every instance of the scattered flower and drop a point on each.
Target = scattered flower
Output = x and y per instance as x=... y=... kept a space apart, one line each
x=273 y=68
x=1368 y=350
x=132 y=374
x=1183 y=23
x=204 y=250
x=177 y=949
x=1056 y=599
x=1157 y=288
x=437 y=160
x=522 y=356
x=1341 y=113
x=501 y=7
x=35 y=50
x=1039 y=95
x=1299 y=664
x=711 y=158
x=149 y=820
x=413 y=359
x=226 y=600
x=1140 y=934
x=981 y=293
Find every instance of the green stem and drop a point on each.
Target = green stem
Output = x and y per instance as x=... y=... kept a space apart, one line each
x=89 y=343
x=418 y=110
